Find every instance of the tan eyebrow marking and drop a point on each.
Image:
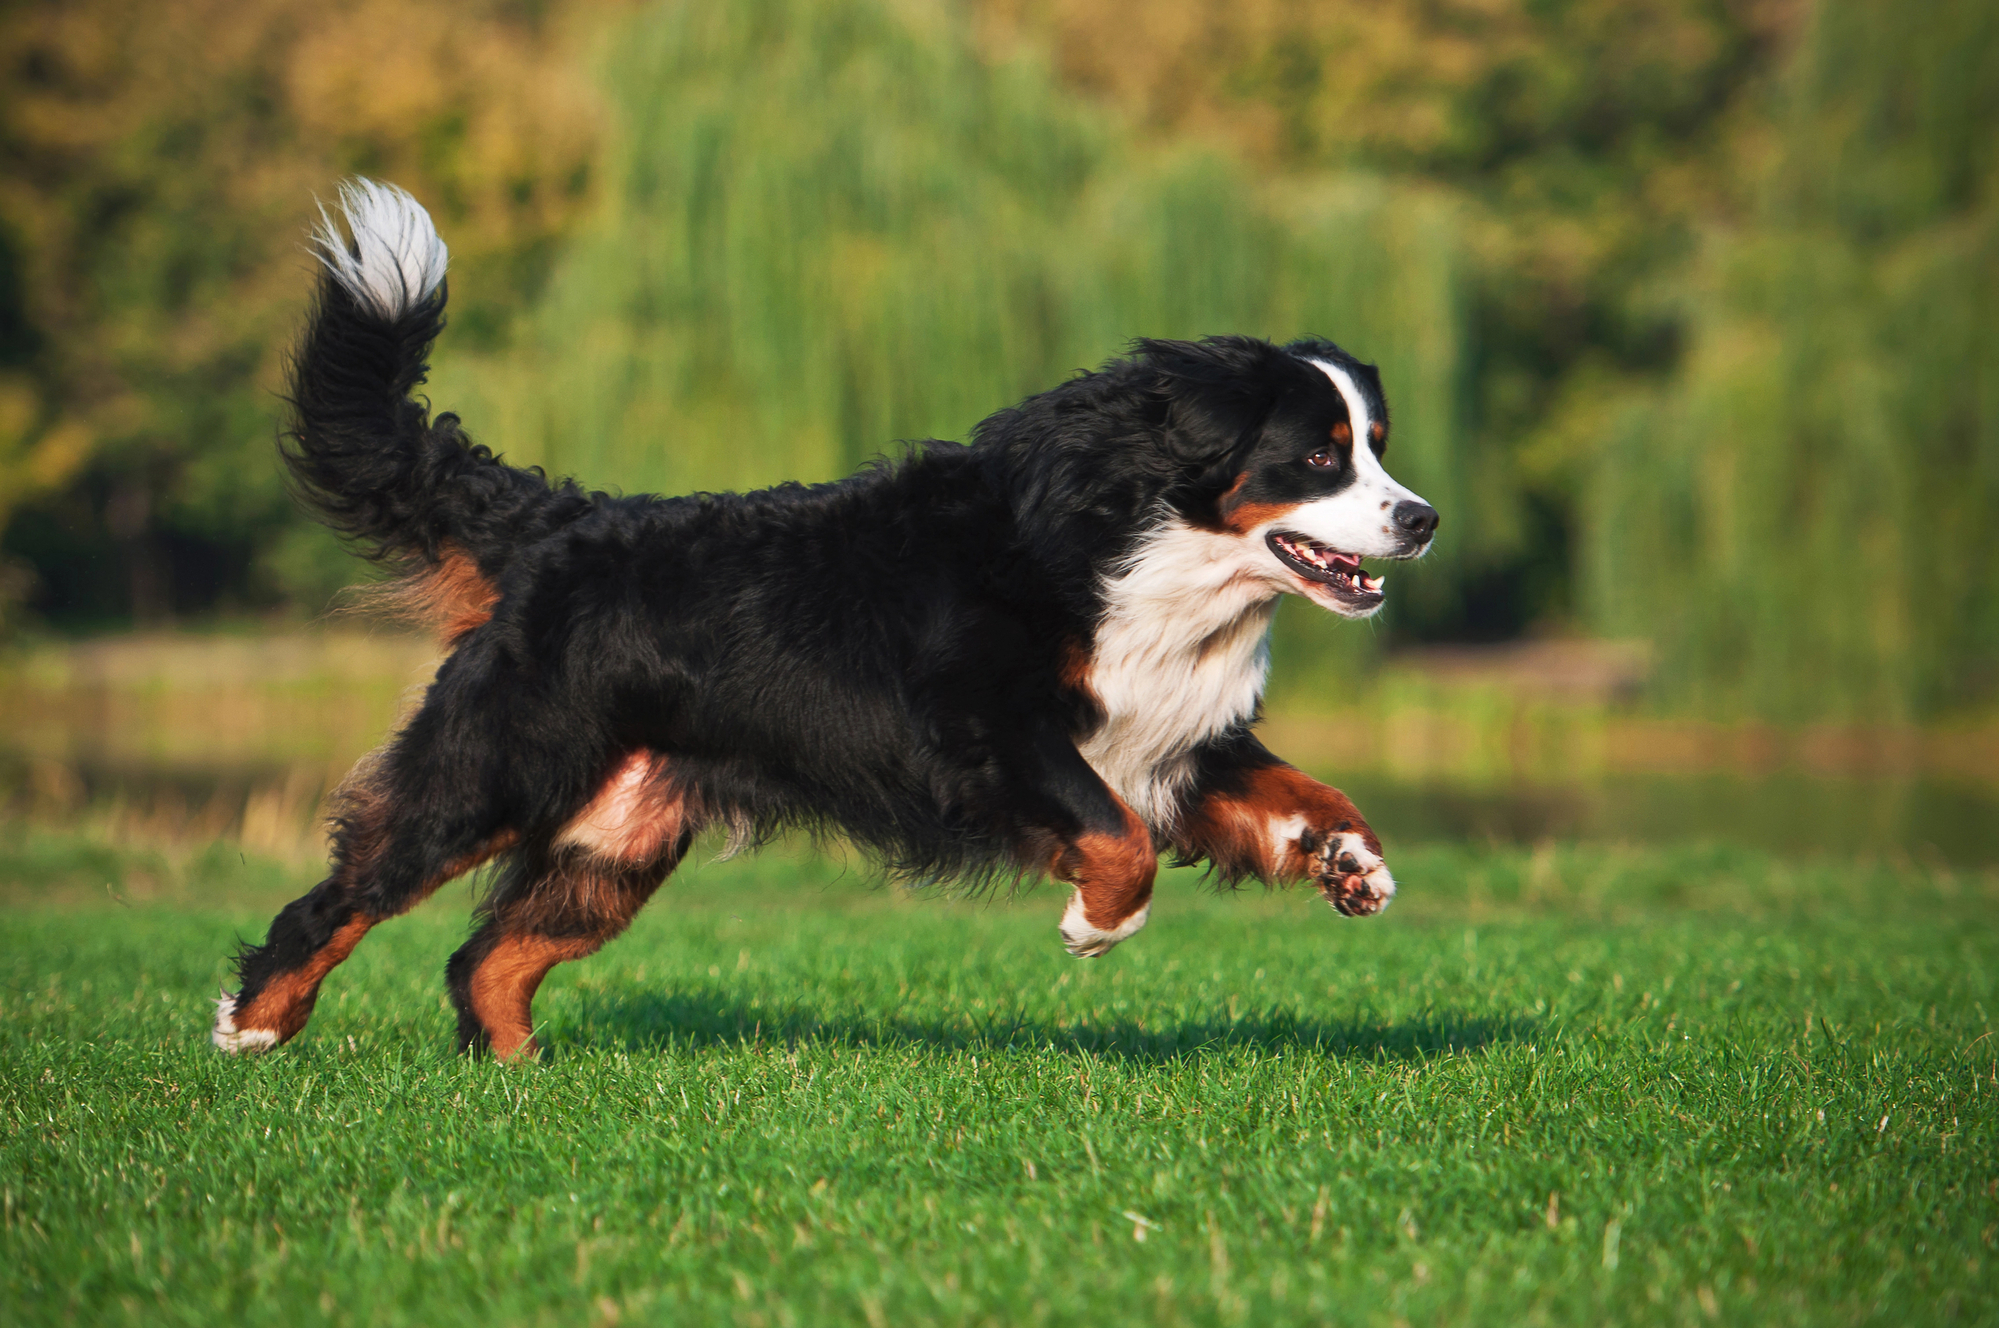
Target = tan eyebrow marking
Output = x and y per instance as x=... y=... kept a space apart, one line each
x=1376 y=432
x=1343 y=434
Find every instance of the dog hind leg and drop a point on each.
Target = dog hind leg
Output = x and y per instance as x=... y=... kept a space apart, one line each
x=566 y=897
x=388 y=856
x=545 y=913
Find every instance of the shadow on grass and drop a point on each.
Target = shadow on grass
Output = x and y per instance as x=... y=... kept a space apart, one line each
x=653 y=1022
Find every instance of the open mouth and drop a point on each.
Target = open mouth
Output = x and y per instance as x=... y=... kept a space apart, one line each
x=1327 y=566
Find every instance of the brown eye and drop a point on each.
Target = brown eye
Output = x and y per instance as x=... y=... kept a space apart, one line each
x=1322 y=459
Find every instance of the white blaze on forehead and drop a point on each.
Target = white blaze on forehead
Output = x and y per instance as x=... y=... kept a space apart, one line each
x=1365 y=463
x=1350 y=392
x=1358 y=519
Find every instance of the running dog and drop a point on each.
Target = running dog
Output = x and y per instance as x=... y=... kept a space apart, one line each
x=1040 y=653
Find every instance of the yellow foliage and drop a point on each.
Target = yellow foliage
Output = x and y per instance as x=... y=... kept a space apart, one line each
x=1411 y=82
x=34 y=458
x=166 y=155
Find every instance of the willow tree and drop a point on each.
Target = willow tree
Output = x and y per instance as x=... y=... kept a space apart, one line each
x=1803 y=520
x=827 y=225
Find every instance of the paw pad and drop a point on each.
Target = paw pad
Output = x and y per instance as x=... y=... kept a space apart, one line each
x=1353 y=878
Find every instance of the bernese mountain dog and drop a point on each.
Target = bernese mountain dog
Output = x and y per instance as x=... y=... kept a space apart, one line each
x=1040 y=653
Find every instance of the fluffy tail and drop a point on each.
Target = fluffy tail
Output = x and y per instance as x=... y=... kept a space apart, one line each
x=364 y=456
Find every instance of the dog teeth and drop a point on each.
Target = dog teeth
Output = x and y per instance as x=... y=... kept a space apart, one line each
x=1342 y=570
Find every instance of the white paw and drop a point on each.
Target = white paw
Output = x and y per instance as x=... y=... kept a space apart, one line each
x=1353 y=877
x=1086 y=941
x=233 y=1040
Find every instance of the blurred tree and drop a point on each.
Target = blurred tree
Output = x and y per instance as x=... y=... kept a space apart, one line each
x=1803 y=519
x=1685 y=303
x=827 y=226
x=158 y=160
x=1731 y=267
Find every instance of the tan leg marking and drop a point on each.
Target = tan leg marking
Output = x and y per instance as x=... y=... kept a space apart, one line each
x=1113 y=876
x=504 y=985
x=286 y=1001
x=1283 y=825
x=1261 y=828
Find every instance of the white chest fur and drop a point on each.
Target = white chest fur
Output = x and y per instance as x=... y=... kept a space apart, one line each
x=1181 y=654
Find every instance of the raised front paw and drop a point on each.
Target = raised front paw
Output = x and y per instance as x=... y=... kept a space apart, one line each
x=1352 y=876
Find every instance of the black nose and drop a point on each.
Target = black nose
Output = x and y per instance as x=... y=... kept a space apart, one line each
x=1416 y=520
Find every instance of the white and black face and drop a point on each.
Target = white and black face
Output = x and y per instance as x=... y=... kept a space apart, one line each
x=1314 y=495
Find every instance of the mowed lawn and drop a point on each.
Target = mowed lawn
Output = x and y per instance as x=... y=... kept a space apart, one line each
x=1565 y=1086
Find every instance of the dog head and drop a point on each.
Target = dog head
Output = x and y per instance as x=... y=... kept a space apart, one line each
x=1280 y=448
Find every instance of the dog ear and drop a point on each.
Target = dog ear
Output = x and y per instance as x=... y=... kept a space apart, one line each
x=1218 y=392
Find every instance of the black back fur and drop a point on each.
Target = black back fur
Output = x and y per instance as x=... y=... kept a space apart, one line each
x=882 y=657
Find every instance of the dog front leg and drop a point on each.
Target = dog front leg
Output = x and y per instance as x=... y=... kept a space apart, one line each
x=1112 y=869
x=1273 y=822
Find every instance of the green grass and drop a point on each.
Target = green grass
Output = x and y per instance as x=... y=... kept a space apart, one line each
x=1565 y=1086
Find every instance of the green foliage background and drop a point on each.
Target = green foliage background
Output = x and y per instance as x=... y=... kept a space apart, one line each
x=1803 y=514
x=1682 y=304
x=825 y=228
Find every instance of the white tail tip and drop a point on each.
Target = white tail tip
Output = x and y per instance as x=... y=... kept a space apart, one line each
x=397 y=259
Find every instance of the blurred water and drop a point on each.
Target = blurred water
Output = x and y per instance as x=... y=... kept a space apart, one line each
x=194 y=739
x=273 y=808
x=1927 y=820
